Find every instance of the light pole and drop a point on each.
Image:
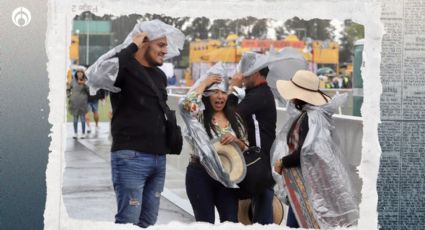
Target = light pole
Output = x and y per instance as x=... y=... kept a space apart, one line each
x=87 y=38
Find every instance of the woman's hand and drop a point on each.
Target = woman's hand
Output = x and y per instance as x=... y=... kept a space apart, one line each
x=211 y=79
x=227 y=139
x=230 y=138
x=278 y=166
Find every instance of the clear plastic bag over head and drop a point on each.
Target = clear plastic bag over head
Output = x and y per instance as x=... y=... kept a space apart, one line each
x=217 y=69
x=324 y=169
x=103 y=73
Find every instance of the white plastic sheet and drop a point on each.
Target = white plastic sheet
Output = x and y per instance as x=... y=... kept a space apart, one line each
x=103 y=73
x=326 y=175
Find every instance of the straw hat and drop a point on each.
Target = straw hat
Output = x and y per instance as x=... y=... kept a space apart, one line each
x=232 y=160
x=245 y=211
x=304 y=85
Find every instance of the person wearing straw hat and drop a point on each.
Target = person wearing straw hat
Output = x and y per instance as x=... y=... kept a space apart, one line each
x=138 y=123
x=315 y=174
x=215 y=133
x=258 y=109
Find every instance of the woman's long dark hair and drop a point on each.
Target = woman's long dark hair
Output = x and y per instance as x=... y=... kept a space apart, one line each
x=76 y=74
x=234 y=119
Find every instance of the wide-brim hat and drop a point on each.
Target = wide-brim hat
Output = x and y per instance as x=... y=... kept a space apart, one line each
x=245 y=211
x=231 y=159
x=304 y=86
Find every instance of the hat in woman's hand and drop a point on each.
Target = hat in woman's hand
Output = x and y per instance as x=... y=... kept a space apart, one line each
x=231 y=159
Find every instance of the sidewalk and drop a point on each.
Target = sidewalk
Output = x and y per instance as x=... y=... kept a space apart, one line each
x=87 y=186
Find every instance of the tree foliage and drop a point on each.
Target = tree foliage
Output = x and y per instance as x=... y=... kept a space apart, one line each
x=352 y=32
x=315 y=29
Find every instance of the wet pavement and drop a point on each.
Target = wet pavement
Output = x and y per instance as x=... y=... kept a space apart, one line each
x=87 y=186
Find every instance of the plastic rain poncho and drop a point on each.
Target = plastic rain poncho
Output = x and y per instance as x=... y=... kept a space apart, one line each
x=196 y=135
x=103 y=73
x=324 y=169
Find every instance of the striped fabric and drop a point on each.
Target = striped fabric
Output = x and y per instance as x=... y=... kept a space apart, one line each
x=295 y=188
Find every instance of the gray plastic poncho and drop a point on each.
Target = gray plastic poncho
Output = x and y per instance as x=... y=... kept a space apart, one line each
x=196 y=135
x=103 y=73
x=325 y=173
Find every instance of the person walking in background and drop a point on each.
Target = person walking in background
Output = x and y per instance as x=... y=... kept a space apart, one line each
x=315 y=175
x=138 y=123
x=78 y=93
x=257 y=107
x=93 y=106
x=207 y=103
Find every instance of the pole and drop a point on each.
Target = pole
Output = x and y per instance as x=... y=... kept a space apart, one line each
x=87 y=39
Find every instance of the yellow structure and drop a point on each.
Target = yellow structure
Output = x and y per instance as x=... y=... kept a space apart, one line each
x=328 y=54
x=74 y=49
x=212 y=50
x=73 y=55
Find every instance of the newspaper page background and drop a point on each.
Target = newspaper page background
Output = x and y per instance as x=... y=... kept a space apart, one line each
x=401 y=181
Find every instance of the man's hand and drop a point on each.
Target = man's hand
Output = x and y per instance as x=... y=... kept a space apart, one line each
x=278 y=166
x=236 y=81
x=140 y=38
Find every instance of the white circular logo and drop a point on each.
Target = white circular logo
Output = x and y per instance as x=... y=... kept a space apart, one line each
x=21 y=16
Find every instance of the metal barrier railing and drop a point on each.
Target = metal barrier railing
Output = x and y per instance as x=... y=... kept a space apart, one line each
x=346 y=109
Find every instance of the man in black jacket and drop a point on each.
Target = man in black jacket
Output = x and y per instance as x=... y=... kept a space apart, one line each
x=258 y=109
x=138 y=123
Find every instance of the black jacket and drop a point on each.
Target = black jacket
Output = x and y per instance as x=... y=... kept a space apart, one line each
x=138 y=122
x=294 y=159
x=259 y=103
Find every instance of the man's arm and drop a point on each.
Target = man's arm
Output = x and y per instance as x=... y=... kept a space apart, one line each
x=127 y=53
x=247 y=106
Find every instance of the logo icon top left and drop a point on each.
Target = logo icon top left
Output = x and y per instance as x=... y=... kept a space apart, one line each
x=21 y=17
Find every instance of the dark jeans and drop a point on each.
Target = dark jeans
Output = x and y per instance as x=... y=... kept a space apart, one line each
x=206 y=193
x=262 y=207
x=291 y=220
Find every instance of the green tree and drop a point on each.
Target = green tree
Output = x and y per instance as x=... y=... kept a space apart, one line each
x=198 y=29
x=352 y=32
x=259 y=30
x=316 y=29
x=219 y=29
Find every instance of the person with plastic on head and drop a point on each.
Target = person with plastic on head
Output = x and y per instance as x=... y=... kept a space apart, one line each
x=138 y=123
x=256 y=105
x=315 y=174
x=208 y=116
x=78 y=93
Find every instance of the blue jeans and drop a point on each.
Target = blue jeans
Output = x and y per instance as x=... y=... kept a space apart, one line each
x=138 y=180
x=83 y=122
x=262 y=207
x=93 y=106
x=205 y=193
